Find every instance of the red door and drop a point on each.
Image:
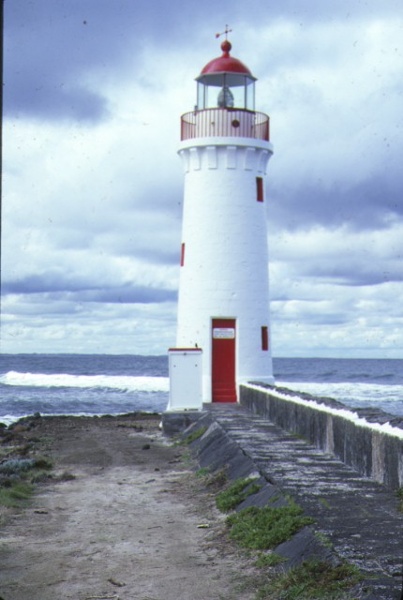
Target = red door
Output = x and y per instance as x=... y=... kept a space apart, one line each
x=223 y=360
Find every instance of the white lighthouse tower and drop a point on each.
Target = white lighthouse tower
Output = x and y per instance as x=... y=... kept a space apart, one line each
x=224 y=285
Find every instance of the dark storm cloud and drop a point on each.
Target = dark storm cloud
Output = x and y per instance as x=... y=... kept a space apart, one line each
x=128 y=294
x=50 y=45
x=356 y=273
x=48 y=51
x=55 y=103
x=63 y=289
x=366 y=205
x=35 y=284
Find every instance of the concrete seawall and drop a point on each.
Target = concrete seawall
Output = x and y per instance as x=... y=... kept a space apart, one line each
x=368 y=440
x=355 y=519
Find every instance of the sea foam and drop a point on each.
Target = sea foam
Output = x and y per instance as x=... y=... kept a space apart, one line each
x=116 y=382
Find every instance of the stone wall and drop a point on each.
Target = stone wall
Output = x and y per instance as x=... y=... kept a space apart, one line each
x=368 y=440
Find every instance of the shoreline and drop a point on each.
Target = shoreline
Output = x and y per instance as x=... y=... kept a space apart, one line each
x=9 y=420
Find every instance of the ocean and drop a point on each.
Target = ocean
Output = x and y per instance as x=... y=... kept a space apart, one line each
x=82 y=384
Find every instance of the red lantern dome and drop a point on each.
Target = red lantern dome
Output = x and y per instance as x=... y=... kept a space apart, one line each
x=225 y=63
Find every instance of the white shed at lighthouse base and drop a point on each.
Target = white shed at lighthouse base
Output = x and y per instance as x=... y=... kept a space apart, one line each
x=185 y=379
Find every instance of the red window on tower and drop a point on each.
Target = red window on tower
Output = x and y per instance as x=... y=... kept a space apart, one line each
x=259 y=189
x=265 y=338
x=182 y=254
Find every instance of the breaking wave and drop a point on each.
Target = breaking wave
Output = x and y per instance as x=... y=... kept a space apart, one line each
x=123 y=383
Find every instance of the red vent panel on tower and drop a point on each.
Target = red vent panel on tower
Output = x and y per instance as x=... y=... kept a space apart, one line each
x=259 y=189
x=265 y=338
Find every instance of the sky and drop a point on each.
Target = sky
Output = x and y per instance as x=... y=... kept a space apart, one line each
x=93 y=186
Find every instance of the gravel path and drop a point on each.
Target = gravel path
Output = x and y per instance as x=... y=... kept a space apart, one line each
x=133 y=523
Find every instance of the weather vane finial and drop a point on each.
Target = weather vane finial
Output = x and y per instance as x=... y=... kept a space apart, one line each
x=226 y=32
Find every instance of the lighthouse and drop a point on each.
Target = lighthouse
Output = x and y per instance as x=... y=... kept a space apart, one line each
x=223 y=305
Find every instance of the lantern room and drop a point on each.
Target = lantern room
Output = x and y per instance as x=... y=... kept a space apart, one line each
x=225 y=102
x=225 y=82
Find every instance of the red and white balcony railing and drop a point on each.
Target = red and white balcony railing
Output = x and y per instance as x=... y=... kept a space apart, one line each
x=225 y=122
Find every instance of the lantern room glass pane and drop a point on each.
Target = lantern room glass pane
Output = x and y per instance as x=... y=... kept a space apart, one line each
x=200 y=96
x=211 y=94
x=250 y=96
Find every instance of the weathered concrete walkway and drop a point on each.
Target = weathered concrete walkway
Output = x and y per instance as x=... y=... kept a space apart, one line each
x=358 y=516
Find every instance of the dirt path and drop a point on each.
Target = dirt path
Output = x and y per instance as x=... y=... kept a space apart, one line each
x=126 y=527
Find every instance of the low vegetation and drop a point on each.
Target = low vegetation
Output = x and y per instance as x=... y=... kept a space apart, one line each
x=215 y=480
x=236 y=493
x=399 y=495
x=16 y=494
x=312 y=580
x=267 y=527
x=260 y=530
x=18 y=475
x=194 y=435
x=269 y=560
x=203 y=472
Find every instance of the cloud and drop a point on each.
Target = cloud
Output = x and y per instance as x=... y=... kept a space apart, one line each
x=93 y=186
x=374 y=203
x=43 y=101
x=35 y=324
x=335 y=122
x=341 y=256
x=57 y=287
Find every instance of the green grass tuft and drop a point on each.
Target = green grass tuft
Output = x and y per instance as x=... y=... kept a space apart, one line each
x=17 y=495
x=265 y=528
x=194 y=435
x=236 y=493
x=399 y=495
x=312 y=580
x=203 y=472
x=269 y=560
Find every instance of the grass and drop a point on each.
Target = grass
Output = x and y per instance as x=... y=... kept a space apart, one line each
x=323 y=539
x=203 y=472
x=236 y=493
x=312 y=580
x=16 y=495
x=399 y=495
x=325 y=503
x=18 y=475
x=260 y=530
x=269 y=560
x=193 y=436
x=265 y=528
x=214 y=481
